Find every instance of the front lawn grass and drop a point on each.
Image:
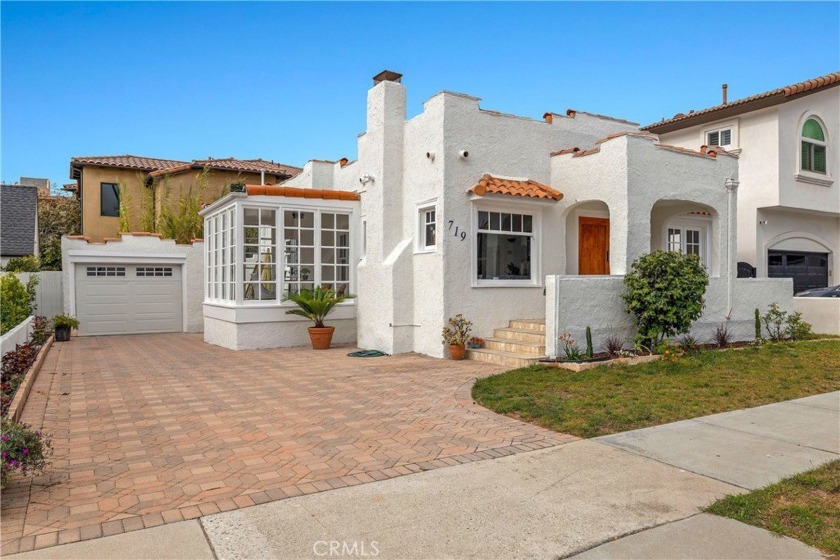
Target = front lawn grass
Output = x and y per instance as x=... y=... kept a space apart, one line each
x=805 y=507
x=614 y=399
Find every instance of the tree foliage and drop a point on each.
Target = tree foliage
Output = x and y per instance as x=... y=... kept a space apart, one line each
x=57 y=217
x=14 y=302
x=664 y=294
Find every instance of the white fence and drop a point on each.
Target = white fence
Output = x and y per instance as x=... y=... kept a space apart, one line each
x=18 y=335
x=49 y=295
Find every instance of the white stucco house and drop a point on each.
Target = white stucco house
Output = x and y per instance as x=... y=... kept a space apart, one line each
x=524 y=226
x=788 y=146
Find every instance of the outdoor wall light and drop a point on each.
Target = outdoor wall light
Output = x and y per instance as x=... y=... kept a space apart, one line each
x=366 y=178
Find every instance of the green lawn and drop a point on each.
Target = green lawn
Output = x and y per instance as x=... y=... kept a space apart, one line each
x=620 y=398
x=805 y=507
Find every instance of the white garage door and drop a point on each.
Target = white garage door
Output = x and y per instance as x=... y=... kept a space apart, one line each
x=128 y=299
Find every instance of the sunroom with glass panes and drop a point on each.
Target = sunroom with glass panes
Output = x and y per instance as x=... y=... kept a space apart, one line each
x=261 y=246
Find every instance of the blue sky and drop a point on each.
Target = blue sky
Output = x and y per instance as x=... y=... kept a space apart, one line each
x=288 y=81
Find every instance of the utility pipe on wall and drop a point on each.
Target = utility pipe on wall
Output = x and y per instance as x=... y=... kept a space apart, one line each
x=731 y=239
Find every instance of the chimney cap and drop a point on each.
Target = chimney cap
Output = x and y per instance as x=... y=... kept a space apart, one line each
x=387 y=76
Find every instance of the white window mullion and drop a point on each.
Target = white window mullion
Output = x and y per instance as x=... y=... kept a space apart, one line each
x=316 y=274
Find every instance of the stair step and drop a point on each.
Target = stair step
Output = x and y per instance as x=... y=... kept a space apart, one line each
x=501 y=358
x=522 y=335
x=514 y=346
x=537 y=325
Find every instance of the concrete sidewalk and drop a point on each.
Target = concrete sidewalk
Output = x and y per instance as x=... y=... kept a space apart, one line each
x=748 y=448
x=582 y=497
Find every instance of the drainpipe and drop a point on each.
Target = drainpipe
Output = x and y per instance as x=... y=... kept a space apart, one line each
x=262 y=177
x=731 y=239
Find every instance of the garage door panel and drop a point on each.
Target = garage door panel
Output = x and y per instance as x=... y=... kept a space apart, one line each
x=808 y=270
x=143 y=299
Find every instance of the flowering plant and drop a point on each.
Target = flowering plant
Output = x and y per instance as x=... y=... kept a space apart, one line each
x=22 y=450
x=475 y=342
x=570 y=347
x=457 y=332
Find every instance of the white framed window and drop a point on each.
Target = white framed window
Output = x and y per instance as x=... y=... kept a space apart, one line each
x=689 y=237
x=426 y=229
x=505 y=247
x=219 y=256
x=259 y=274
x=721 y=137
x=813 y=147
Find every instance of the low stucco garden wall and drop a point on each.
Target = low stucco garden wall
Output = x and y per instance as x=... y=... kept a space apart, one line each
x=285 y=334
x=822 y=313
x=575 y=302
x=17 y=335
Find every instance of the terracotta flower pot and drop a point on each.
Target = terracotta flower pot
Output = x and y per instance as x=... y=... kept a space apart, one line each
x=321 y=337
x=456 y=351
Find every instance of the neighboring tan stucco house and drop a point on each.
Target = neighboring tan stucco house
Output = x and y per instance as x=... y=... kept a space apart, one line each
x=788 y=146
x=525 y=226
x=100 y=180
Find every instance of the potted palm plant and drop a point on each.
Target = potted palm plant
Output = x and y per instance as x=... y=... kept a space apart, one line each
x=63 y=324
x=315 y=305
x=456 y=334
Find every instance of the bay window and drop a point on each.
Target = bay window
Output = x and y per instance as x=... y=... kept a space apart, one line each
x=284 y=249
x=505 y=248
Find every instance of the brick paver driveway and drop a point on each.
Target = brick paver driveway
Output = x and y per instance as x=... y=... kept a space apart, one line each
x=159 y=428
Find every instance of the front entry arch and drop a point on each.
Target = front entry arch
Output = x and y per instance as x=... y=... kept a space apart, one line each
x=593 y=245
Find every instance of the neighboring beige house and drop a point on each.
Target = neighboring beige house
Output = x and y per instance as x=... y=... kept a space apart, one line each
x=100 y=180
x=788 y=146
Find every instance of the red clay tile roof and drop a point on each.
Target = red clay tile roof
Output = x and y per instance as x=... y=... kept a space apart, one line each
x=297 y=192
x=514 y=187
x=126 y=161
x=157 y=167
x=758 y=101
x=249 y=166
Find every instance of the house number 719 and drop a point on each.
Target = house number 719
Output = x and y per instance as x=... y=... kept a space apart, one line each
x=458 y=232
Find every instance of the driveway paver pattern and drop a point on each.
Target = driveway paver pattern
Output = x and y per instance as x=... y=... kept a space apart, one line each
x=156 y=429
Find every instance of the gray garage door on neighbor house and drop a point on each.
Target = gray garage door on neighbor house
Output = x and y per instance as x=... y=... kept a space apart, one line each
x=129 y=298
x=808 y=270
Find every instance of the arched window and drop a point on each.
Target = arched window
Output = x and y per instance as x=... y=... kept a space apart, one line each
x=813 y=147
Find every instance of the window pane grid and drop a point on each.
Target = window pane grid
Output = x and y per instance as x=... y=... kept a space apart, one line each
x=259 y=272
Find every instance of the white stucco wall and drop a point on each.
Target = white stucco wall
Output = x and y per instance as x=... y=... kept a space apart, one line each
x=578 y=301
x=138 y=249
x=19 y=334
x=822 y=313
x=268 y=334
x=767 y=142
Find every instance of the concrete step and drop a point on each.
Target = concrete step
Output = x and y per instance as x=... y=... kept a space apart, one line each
x=501 y=358
x=514 y=346
x=536 y=325
x=521 y=335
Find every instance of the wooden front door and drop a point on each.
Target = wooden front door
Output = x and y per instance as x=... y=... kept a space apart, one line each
x=594 y=246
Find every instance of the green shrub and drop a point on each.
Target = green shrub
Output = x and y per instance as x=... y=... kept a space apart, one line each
x=665 y=294
x=14 y=302
x=796 y=328
x=757 y=324
x=29 y=263
x=781 y=325
x=56 y=217
x=66 y=321
x=456 y=332
x=22 y=450
x=589 y=350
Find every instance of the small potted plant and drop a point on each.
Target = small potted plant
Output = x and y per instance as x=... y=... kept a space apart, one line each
x=475 y=342
x=63 y=324
x=315 y=305
x=456 y=334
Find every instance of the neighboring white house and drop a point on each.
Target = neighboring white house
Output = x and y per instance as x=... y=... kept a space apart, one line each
x=788 y=144
x=464 y=210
